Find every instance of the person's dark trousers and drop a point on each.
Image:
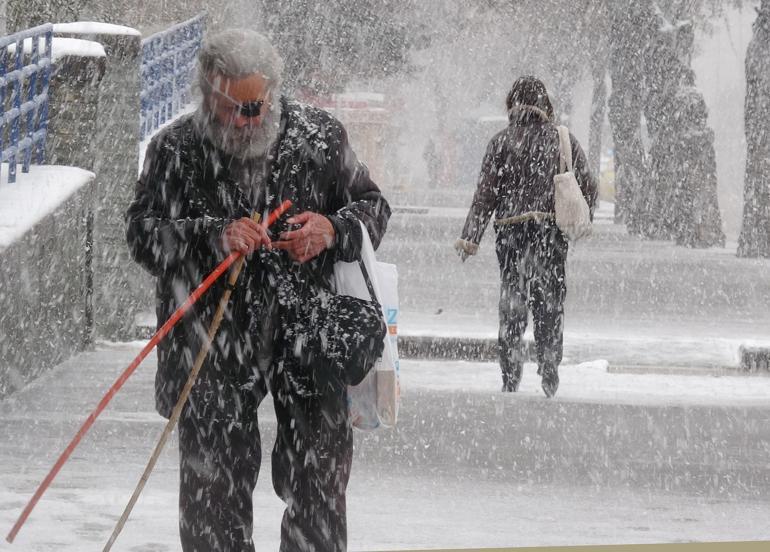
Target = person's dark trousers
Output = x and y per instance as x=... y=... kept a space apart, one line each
x=311 y=464
x=532 y=258
x=220 y=455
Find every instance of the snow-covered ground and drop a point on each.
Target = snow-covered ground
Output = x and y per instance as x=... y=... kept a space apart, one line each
x=591 y=381
x=389 y=507
x=411 y=512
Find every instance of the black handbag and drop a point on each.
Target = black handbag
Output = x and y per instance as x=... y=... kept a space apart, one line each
x=327 y=341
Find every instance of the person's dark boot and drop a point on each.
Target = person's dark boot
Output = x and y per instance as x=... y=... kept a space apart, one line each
x=550 y=382
x=510 y=386
x=511 y=380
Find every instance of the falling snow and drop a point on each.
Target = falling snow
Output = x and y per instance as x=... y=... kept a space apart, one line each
x=406 y=120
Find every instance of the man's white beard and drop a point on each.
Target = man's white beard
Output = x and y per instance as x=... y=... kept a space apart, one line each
x=248 y=142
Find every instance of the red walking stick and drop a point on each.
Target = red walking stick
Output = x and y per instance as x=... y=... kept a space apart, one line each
x=181 y=401
x=159 y=335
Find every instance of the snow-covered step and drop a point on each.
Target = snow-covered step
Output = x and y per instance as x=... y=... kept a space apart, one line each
x=687 y=434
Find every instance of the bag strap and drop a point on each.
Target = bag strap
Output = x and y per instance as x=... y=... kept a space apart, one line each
x=368 y=281
x=565 y=150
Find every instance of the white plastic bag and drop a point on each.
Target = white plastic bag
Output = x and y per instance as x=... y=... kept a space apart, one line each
x=573 y=217
x=374 y=401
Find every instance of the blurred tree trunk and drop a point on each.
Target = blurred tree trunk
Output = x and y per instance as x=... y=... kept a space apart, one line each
x=598 y=107
x=668 y=191
x=662 y=81
x=629 y=24
x=754 y=240
x=681 y=201
x=597 y=29
x=562 y=95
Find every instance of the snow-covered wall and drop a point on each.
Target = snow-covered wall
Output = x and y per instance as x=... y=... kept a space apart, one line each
x=43 y=265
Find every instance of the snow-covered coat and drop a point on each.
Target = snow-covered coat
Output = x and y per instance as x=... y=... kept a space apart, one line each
x=184 y=199
x=517 y=173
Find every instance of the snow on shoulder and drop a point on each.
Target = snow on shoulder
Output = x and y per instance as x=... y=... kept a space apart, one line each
x=94 y=28
x=62 y=47
x=35 y=195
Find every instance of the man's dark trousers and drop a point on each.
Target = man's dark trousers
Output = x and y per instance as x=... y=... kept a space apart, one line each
x=220 y=455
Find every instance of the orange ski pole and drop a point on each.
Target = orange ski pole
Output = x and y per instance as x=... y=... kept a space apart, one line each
x=159 y=335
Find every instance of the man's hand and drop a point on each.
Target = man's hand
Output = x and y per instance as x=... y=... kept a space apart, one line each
x=465 y=248
x=315 y=235
x=244 y=236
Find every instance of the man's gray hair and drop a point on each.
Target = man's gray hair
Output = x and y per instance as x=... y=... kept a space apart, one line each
x=235 y=54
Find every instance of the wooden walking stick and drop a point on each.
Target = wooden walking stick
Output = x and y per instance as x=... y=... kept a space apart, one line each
x=205 y=347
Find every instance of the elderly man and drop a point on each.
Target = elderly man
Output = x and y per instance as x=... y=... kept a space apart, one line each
x=246 y=149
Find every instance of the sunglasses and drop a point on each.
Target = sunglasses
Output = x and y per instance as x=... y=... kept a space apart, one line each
x=250 y=109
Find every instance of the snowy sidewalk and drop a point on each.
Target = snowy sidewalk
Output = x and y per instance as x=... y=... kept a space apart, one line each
x=592 y=382
x=615 y=458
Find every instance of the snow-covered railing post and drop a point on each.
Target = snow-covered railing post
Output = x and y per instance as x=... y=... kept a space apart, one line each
x=115 y=156
x=168 y=59
x=32 y=76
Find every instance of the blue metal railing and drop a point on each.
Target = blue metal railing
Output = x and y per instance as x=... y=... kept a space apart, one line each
x=24 y=121
x=168 y=60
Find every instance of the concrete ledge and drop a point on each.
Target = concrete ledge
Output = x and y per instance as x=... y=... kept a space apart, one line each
x=754 y=360
x=421 y=347
x=43 y=288
x=452 y=348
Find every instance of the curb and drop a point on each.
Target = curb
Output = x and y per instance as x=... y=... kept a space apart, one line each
x=753 y=360
x=455 y=348
x=426 y=347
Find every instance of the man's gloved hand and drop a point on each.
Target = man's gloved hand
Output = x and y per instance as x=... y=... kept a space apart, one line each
x=244 y=236
x=315 y=235
x=465 y=248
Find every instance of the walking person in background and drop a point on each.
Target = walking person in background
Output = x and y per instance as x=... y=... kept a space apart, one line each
x=517 y=185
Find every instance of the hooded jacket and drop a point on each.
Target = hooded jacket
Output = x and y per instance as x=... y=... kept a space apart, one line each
x=518 y=170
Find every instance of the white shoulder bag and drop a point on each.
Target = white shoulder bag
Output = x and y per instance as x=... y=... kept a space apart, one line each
x=573 y=217
x=374 y=401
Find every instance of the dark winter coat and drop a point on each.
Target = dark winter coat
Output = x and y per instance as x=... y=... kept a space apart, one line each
x=184 y=199
x=517 y=174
